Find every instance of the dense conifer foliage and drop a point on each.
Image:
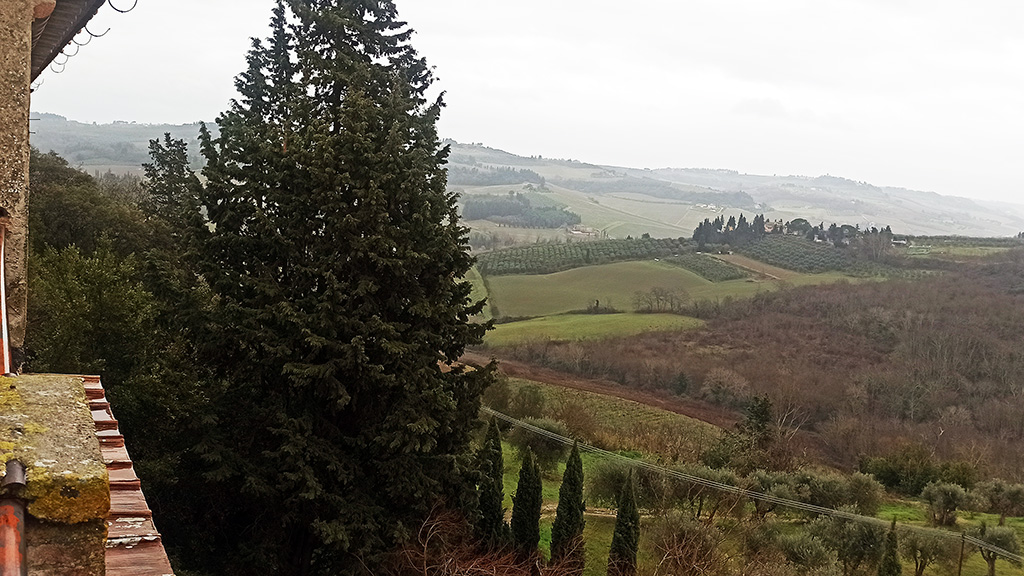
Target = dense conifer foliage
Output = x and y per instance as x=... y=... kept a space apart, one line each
x=334 y=255
x=626 y=536
x=279 y=336
x=567 y=530
x=273 y=339
x=491 y=527
x=526 y=505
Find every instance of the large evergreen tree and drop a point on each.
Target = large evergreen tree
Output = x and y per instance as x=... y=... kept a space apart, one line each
x=491 y=526
x=335 y=257
x=626 y=535
x=567 y=530
x=526 y=505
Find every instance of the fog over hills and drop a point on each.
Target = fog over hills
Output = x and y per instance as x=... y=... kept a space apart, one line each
x=618 y=200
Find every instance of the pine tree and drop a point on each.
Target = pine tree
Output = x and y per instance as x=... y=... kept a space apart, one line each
x=335 y=257
x=626 y=535
x=890 y=564
x=567 y=530
x=526 y=507
x=491 y=525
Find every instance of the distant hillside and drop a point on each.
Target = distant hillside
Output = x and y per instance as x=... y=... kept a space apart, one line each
x=615 y=201
x=121 y=147
x=670 y=202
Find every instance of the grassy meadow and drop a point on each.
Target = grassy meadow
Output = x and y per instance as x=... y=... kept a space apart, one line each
x=585 y=327
x=615 y=284
x=479 y=291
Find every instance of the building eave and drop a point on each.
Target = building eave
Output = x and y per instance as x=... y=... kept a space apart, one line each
x=51 y=34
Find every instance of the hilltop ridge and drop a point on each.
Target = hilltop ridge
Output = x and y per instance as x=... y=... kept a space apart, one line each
x=618 y=201
x=672 y=201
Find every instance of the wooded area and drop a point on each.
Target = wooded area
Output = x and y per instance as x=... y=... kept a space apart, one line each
x=867 y=367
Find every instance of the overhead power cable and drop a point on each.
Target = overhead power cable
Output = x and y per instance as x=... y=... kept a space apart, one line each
x=728 y=488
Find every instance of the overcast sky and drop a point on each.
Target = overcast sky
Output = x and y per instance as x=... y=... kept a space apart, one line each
x=923 y=94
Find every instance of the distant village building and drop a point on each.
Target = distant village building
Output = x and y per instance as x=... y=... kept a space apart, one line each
x=580 y=230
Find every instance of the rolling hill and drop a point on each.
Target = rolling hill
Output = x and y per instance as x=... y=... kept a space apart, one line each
x=615 y=201
x=670 y=202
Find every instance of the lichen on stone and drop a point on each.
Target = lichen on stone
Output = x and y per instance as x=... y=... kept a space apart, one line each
x=45 y=422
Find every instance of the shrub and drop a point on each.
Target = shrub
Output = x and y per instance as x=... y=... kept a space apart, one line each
x=498 y=396
x=943 y=501
x=548 y=452
x=804 y=549
x=685 y=547
x=907 y=470
x=527 y=402
x=725 y=387
x=865 y=493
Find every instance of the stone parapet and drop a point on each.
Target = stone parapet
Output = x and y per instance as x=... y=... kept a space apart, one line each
x=46 y=424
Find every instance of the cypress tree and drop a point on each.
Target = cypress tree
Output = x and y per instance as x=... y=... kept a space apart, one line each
x=890 y=564
x=567 y=530
x=491 y=526
x=526 y=507
x=626 y=535
x=334 y=255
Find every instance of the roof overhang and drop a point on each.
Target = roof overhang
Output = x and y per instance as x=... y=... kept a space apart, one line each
x=51 y=34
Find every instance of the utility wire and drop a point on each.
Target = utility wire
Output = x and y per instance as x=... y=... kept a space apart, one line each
x=795 y=504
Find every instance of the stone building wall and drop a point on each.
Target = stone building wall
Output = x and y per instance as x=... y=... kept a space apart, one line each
x=15 y=69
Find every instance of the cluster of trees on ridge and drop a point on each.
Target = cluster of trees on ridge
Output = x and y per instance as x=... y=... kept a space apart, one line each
x=515 y=210
x=739 y=232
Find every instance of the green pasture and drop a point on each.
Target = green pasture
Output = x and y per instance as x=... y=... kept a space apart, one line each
x=954 y=252
x=586 y=327
x=615 y=284
x=479 y=290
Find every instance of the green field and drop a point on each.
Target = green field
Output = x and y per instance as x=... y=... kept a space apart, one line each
x=954 y=252
x=586 y=327
x=479 y=290
x=615 y=284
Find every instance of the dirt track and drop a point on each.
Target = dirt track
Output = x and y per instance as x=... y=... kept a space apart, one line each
x=685 y=406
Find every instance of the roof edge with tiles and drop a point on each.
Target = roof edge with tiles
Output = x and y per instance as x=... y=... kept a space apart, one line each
x=134 y=546
x=51 y=34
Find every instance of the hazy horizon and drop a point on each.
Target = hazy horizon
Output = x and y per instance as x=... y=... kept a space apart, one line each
x=922 y=96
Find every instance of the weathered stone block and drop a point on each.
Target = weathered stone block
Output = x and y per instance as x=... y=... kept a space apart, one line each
x=45 y=423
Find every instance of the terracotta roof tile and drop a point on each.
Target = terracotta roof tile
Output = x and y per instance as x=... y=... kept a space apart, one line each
x=134 y=546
